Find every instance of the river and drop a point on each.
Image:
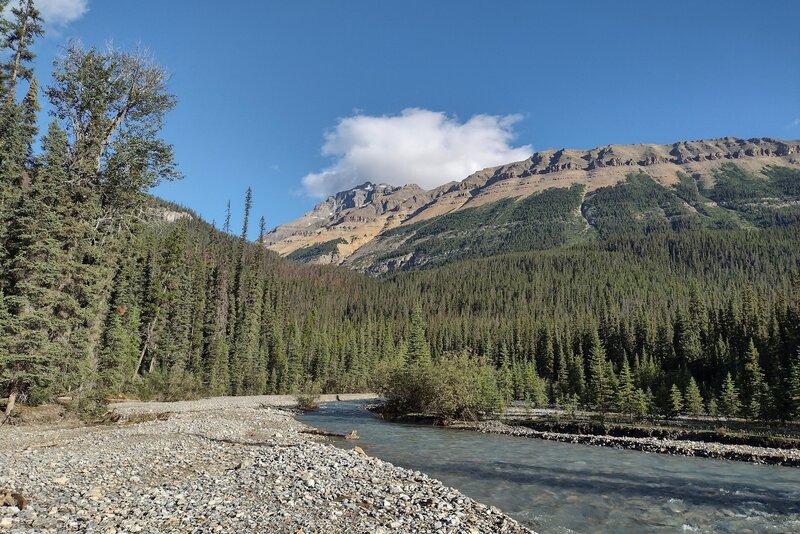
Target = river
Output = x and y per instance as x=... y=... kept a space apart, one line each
x=562 y=488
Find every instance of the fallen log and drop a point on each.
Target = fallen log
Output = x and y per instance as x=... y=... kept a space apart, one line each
x=317 y=432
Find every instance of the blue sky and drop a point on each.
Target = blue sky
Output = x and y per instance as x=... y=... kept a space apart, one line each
x=260 y=83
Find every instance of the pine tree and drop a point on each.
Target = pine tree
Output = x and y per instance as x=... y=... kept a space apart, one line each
x=600 y=384
x=713 y=406
x=694 y=401
x=115 y=157
x=248 y=205
x=562 y=379
x=794 y=387
x=13 y=150
x=262 y=230
x=419 y=352
x=17 y=122
x=30 y=108
x=641 y=403
x=576 y=375
x=729 y=404
x=534 y=386
x=675 y=401
x=626 y=392
x=19 y=36
x=40 y=312
x=753 y=383
x=226 y=226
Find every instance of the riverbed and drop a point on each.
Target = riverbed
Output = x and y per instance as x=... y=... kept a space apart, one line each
x=227 y=464
x=561 y=487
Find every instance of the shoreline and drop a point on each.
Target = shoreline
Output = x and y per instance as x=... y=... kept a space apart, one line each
x=784 y=457
x=227 y=464
x=701 y=449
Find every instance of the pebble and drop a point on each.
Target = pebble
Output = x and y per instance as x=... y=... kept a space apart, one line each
x=220 y=465
x=744 y=453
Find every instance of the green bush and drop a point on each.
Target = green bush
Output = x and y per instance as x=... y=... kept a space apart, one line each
x=455 y=387
x=308 y=399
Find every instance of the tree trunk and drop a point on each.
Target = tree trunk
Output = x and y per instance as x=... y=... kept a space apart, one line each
x=98 y=322
x=152 y=364
x=12 y=83
x=150 y=328
x=12 y=401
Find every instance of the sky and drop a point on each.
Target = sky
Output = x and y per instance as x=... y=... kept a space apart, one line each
x=302 y=98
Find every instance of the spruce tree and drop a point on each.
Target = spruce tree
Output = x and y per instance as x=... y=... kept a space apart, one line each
x=419 y=352
x=752 y=383
x=713 y=406
x=562 y=379
x=41 y=314
x=694 y=401
x=675 y=401
x=641 y=403
x=729 y=404
x=600 y=383
x=17 y=121
x=30 y=108
x=13 y=151
x=25 y=27
x=626 y=392
x=794 y=387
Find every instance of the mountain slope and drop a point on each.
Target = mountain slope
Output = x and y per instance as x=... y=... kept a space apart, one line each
x=551 y=199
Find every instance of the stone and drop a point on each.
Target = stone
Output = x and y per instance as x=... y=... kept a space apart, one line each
x=170 y=474
x=11 y=498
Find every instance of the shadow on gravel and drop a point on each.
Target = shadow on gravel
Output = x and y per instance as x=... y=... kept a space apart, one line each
x=229 y=441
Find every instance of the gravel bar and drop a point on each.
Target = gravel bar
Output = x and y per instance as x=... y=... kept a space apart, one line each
x=219 y=465
x=742 y=453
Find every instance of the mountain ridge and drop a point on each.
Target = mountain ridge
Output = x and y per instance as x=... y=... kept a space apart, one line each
x=344 y=224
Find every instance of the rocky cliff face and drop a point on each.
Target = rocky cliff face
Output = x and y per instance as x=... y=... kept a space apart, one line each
x=351 y=219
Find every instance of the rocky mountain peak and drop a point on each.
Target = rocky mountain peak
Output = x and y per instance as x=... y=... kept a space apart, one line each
x=358 y=196
x=355 y=217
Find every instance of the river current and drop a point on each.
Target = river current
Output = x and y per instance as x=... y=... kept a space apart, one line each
x=563 y=488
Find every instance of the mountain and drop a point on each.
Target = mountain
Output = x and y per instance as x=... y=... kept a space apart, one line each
x=553 y=198
x=340 y=225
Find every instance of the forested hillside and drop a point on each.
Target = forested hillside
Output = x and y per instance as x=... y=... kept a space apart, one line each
x=730 y=198
x=621 y=300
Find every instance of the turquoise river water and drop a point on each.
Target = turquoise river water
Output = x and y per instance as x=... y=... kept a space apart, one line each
x=562 y=488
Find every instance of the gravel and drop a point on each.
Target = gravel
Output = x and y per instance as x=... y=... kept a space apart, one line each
x=219 y=465
x=744 y=453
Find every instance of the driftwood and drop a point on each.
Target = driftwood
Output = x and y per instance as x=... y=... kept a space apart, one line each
x=317 y=432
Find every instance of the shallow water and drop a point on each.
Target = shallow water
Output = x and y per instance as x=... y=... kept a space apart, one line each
x=561 y=487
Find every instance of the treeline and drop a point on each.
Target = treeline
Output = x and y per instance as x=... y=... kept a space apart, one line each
x=100 y=296
x=712 y=315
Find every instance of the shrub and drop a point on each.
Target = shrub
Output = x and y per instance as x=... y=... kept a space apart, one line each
x=456 y=386
x=308 y=399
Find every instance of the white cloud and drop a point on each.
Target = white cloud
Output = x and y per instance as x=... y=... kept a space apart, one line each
x=794 y=124
x=60 y=12
x=418 y=146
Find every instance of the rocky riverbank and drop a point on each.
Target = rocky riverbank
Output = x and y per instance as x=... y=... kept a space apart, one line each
x=218 y=465
x=745 y=453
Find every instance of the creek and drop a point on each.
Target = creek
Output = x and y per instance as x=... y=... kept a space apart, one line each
x=563 y=488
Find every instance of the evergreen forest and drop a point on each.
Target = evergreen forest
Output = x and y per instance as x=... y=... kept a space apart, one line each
x=108 y=292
